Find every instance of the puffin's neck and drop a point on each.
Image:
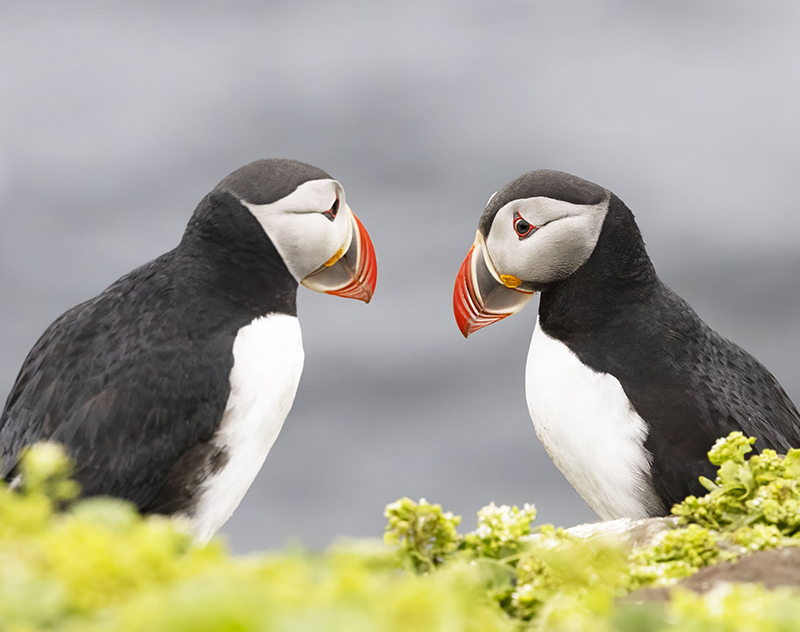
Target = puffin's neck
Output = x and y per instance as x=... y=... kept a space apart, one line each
x=617 y=274
x=228 y=252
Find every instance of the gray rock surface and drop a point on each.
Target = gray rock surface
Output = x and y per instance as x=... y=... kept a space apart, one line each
x=772 y=569
x=634 y=532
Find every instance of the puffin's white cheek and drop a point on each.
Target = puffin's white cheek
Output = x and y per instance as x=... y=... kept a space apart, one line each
x=551 y=254
x=564 y=248
x=336 y=240
x=505 y=249
x=521 y=258
x=553 y=257
x=508 y=260
x=318 y=242
x=574 y=250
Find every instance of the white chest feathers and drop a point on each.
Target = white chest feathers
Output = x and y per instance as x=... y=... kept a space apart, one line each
x=590 y=430
x=267 y=363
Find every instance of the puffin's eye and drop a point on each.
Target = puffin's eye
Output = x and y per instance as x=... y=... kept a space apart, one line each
x=522 y=227
x=333 y=211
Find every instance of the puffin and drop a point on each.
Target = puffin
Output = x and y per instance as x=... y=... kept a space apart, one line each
x=169 y=388
x=627 y=387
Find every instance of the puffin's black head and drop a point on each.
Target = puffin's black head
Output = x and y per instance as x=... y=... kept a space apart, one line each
x=269 y=180
x=304 y=213
x=535 y=231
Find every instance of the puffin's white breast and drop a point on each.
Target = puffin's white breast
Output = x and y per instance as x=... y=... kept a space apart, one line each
x=590 y=430
x=267 y=363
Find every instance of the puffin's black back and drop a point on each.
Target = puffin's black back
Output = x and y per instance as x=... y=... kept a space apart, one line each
x=134 y=382
x=687 y=382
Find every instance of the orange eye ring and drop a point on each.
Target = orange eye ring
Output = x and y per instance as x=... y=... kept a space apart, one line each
x=523 y=227
x=333 y=211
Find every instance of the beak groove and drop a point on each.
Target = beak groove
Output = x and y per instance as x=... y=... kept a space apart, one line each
x=353 y=274
x=480 y=298
x=364 y=274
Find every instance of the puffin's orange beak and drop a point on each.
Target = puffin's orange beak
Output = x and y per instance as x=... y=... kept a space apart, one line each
x=350 y=273
x=481 y=296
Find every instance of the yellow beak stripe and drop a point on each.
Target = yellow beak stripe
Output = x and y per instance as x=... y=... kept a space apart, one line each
x=334 y=258
x=509 y=280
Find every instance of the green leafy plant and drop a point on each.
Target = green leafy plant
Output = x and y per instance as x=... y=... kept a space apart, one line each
x=96 y=565
x=425 y=534
x=754 y=504
x=763 y=490
x=501 y=530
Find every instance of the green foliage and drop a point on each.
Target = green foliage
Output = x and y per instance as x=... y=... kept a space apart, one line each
x=342 y=590
x=752 y=505
x=525 y=571
x=547 y=578
x=731 y=449
x=46 y=472
x=678 y=554
x=559 y=570
x=500 y=530
x=425 y=534
x=764 y=490
x=728 y=608
x=96 y=565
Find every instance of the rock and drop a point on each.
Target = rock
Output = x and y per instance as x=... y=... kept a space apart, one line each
x=636 y=533
x=772 y=569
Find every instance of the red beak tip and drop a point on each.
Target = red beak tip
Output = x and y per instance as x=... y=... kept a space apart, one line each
x=472 y=327
x=464 y=325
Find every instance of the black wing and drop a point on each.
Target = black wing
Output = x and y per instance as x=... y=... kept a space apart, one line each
x=690 y=385
x=128 y=382
x=709 y=388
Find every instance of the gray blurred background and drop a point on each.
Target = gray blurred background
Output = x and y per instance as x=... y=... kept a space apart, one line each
x=117 y=118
